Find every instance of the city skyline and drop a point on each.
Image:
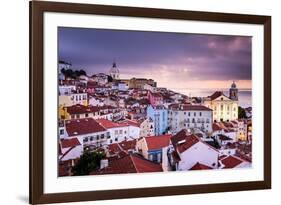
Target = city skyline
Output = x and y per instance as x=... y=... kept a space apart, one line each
x=174 y=60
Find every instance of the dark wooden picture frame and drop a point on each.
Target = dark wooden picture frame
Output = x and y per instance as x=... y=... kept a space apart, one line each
x=37 y=9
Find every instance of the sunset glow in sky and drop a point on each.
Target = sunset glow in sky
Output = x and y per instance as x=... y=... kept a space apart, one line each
x=174 y=60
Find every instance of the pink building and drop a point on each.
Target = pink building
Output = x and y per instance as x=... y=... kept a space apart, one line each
x=155 y=99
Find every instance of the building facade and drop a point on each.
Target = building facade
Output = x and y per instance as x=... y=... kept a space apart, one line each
x=224 y=108
x=159 y=116
x=186 y=116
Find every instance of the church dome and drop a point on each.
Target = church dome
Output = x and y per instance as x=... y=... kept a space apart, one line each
x=114 y=69
x=114 y=72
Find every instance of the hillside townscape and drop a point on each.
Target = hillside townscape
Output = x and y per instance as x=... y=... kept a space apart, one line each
x=110 y=125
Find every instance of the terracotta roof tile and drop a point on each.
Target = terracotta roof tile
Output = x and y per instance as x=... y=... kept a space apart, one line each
x=83 y=126
x=231 y=162
x=65 y=143
x=157 y=142
x=129 y=164
x=81 y=109
x=199 y=166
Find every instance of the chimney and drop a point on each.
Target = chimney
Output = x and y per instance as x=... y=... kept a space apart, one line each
x=103 y=163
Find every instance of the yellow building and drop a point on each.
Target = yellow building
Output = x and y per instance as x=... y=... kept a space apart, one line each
x=224 y=108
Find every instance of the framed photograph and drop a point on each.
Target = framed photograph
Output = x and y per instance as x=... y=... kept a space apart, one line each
x=140 y=102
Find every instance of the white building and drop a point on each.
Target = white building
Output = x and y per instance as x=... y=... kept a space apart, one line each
x=66 y=89
x=191 y=150
x=100 y=78
x=88 y=131
x=147 y=128
x=119 y=131
x=149 y=87
x=70 y=149
x=186 y=116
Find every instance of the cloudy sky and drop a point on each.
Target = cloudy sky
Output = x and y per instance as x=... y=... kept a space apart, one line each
x=174 y=60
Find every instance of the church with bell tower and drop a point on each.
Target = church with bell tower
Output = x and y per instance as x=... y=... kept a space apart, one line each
x=114 y=72
x=225 y=108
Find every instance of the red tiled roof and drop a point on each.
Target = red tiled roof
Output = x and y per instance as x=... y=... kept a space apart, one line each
x=109 y=124
x=157 y=142
x=132 y=123
x=216 y=127
x=189 y=107
x=190 y=140
x=228 y=124
x=199 y=166
x=127 y=145
x=114 y=148
x=81 y=109
x=181 y=135
x=121 y=146
x=65 y=143
x=82 y=126
x=183 y=141
x=231 y=162
x=216 y=95
x=129 y=164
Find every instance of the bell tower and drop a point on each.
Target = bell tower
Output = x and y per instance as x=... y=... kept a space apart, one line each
x=233 y=92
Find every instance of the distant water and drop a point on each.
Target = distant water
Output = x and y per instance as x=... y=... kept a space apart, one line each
x=244 y=96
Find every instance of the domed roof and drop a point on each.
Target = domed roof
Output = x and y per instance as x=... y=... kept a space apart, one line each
x=114 y=68
x=233 y=85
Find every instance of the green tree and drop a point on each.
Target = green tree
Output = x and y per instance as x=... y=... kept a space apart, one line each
x=241 y=113
x=88 y=162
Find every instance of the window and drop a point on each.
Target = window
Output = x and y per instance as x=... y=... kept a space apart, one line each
x=116 y=139
x=221 y=98
x=189 y=114
x=79 y=97
x=76 y=97
x=86 y=115
x=102 y=136
x=221 y=107
x=91 y=138
x=200 y=113
x=193 y=120
x=159 y=157
x=120 y=131
x=194 y=114
x=77 y=116
x=61 y=132
x=85 y=139
x=72 y=116
x=98 y=137
x=116 y=132
x=184 y=113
